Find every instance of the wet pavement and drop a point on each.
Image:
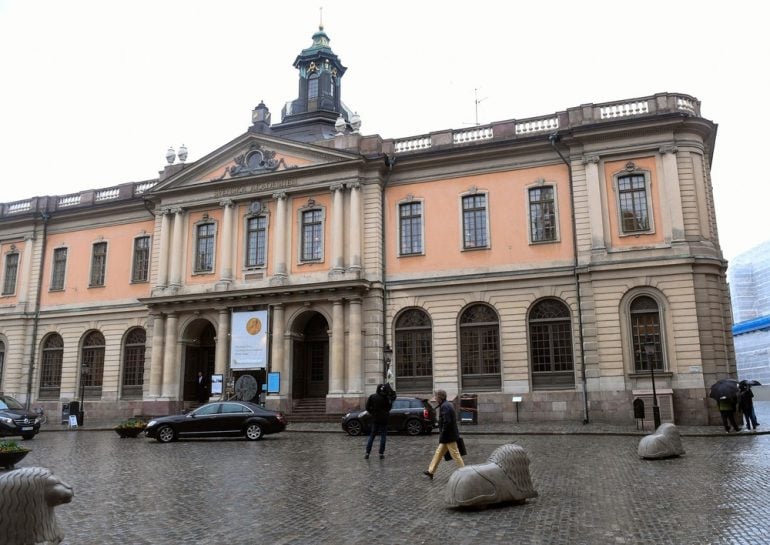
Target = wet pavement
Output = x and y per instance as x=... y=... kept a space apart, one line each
x=312 y=485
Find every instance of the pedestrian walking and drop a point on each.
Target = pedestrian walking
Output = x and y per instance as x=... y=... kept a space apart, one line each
x=201 y=388
x=746 y=405
x=727 y=410
x=378 y=406
x=448 y=434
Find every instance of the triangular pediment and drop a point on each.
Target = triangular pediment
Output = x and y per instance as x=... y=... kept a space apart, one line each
x=251 y=155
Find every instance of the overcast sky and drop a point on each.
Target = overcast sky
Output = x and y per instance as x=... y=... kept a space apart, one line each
x=93 y=93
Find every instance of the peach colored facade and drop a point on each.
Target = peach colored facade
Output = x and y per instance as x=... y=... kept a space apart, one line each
x=556 y=259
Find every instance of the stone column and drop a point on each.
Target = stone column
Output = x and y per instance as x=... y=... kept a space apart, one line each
x=670 y=196
x=170 y=363
x=337 y=368
x=223 y=342
x=156 y=359
x=277 y=356
x=355 y=228
x=24 y=271
x=338 y=229
x=596 y=219
x=226 y=274
x=281 y=236
x=355 y=361
x=163 y=252
x=177 y=248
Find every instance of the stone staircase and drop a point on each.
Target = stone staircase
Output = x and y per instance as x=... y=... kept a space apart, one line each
x=311 y=409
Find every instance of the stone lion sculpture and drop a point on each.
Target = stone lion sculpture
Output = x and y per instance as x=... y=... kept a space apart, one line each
x=27 y=499
x=504 y=478
x=664 y=443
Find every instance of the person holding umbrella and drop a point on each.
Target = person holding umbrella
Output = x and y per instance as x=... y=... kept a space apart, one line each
x=725 y=392
x=746 y=404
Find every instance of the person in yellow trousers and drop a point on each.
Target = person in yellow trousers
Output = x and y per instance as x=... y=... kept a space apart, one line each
x=448 y=434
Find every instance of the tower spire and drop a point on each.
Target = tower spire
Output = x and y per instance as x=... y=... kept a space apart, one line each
x=321 y=18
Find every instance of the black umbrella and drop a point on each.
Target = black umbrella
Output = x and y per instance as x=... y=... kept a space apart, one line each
x=727 y=387
x=750 y=382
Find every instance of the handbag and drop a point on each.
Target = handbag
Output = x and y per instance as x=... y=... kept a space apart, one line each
x=460 y=447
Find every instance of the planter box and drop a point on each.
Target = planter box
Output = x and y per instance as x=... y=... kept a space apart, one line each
x=9 y=459
x=128 y=432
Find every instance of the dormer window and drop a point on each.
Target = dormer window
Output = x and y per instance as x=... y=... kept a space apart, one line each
x=312 y=87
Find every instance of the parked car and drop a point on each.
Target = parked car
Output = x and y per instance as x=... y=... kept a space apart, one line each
x=16 y=420
x=410 y=414
x=218 y=419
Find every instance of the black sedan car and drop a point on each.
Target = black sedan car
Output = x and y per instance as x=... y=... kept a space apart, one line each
x=410 y=414
x=218 y=419
x=16 y=420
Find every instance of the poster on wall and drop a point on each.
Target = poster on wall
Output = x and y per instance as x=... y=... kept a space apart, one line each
x=216 y=385
x=248 y=341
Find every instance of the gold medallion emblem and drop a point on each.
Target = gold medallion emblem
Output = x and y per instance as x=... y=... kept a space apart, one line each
x=254 y=326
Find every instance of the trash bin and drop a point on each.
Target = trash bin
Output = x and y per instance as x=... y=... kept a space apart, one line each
x=469 y=413
x=65 y=412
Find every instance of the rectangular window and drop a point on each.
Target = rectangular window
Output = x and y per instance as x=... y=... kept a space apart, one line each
x=410 y=228
x=255 y=241
x=312 y=235
x=141 y=269
x=632 y=199
x=59 y=267
x=204 y=250
x=11 y=270
x=542 y=214
x=312 y=87
x=98 y=264
x=475 y=221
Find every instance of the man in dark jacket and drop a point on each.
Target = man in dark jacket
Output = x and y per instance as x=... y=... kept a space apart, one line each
x=378 y=406
x=448 y=434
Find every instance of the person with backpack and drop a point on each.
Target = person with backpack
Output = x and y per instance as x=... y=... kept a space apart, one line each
x=378 y=406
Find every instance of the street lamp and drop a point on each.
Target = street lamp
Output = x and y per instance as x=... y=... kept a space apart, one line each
x=387 y=357
x=84 y=370
x=649 y=349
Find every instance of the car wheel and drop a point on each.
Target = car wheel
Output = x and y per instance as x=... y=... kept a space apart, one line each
x=354 y=428
x=166 y=434
x=413 y=427
x=254 y=432
x=28 y=436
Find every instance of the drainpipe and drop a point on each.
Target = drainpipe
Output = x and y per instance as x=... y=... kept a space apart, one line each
x=390 y=161
x=36 y=318
x=553 y=139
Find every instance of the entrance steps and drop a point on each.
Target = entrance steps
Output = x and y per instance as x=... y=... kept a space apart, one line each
x=311 y=409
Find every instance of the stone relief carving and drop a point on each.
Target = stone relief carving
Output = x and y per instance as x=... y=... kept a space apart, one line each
x=256 y=160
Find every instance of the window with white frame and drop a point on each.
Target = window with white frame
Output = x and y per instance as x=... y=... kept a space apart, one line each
x=133 y=362
x=51 y=367
x=410 y=228
x=58 y=269
x=256 y=241
x=646 y=334
x=11 y=271
x=141 y=262
x=98 y=264
x=633 y=202
x=204 y=248
x=542 y=213
x=475 y=221
x=414 y=351
x=312 y=235
x=550 y=345
x=92 y=364
x=480 y=348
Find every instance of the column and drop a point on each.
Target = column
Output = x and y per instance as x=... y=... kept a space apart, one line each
x=223 y=342
x=355 y=361
x=170 y=364
x=355 y=228
x=176 y=248
x=226 y=274
x=593 y=189
x=280 y=236
x=156 y=359
x=277 y=363
x=24 y=272
x=338 y=226
x=671 y=197
x=337 y=368
x=163 y=252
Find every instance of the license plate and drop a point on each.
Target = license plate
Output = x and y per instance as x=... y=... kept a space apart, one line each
x=28 y=428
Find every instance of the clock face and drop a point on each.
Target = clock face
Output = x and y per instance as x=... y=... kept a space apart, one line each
x=254 y=326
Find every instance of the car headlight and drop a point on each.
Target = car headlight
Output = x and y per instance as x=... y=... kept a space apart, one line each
x=151 y=423
x=6 y=420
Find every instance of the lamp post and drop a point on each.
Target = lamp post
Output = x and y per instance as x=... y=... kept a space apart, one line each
x=84 y=370
x=649 y=349
x=387 y=357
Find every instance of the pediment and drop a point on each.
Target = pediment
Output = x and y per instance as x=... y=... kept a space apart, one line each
x=251 y=156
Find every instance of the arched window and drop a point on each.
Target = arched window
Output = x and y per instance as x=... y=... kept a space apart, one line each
x=414 y=351
x=92 y=365
x=646 y=334
x=480 y=348
x=550 y=346
x=133 y=363
x=50 y=368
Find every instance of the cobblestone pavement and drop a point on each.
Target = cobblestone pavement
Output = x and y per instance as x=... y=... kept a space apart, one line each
x=314 y=487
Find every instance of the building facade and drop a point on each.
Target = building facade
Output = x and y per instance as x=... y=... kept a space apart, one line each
x=554 y=268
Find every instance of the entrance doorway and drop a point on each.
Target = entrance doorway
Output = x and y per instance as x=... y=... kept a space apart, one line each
x=311 y=358
x=200 y=349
